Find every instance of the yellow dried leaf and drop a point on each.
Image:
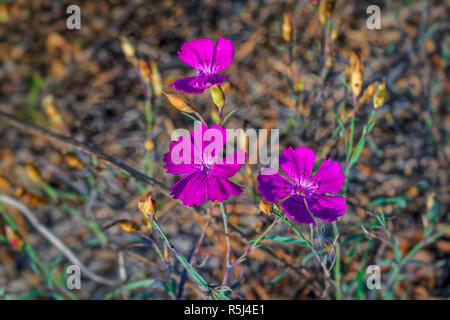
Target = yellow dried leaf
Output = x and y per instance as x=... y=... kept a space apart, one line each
x=128 y=226
x=180 y=102
x=29 y=198
x=33 y=174
x=4 y=183
x=73 y=161
x=286 y=28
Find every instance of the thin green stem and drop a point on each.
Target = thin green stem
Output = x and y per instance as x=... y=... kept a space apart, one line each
x=337 y=267
x=227 y=239
x=257 y=241
x=197 y=277
x=200 y=117
x=311 y=247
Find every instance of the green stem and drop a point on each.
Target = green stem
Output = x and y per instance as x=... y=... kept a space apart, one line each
x=257 y=241
x=316 y=255
x=227 y=239
x=337 y=267
x=194 y=274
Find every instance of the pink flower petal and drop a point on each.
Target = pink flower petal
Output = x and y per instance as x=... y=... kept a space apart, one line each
x=198 y=54
x=188 y=85
x=274 y=187
x=328 y=208
x=329 y=177
x=297 y=162
x=295 y=208
x=198 y=84
x=214 y=139
x=222 y=189
x=229 y=166
x=223 y=55
x=176 y=161
x=191 y=189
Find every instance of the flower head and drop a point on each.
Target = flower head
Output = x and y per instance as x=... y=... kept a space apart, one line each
x=304 y=194
x=206 y=174
x=207 y=59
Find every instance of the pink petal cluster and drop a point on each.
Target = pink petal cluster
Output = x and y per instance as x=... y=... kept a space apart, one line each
x=208 y=60
x=302 y=193
x=205 y=174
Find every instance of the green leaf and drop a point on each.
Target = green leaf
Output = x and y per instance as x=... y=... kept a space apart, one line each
x=278 y=277
x=354 y=237
x=401 y=201
x=357 y=151
x=228 y=116
x=144 y=283
x=285 y=239
x=397 y=253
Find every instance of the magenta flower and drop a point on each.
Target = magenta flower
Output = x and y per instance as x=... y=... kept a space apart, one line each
x=201 y=55
x=206 y=174
x=301 y=188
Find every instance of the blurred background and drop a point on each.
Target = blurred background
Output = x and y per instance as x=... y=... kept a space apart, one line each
x=84 y=84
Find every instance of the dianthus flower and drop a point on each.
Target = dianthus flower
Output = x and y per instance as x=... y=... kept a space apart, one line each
x=305 y=196
x=207 y=59
x=206 y=172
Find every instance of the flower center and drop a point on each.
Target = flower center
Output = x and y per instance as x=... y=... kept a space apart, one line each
x=305 y=187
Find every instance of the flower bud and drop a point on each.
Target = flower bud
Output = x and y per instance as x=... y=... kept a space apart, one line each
x=146 y=204
x=156 y=79
x=356 y=75
x=334 y=33
x=265 y=207
x=287 y=27
x=144 y=70
x=380 y=95
x=180 y=102
x=128 y=225
x=325 y=9
x=13 y=238
x=127 y=48
x=149 y=145
x=368 y=93
x=217 y=96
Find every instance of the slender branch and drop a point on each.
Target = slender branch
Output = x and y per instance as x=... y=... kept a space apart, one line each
x=55 y=241
x=44 y=133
